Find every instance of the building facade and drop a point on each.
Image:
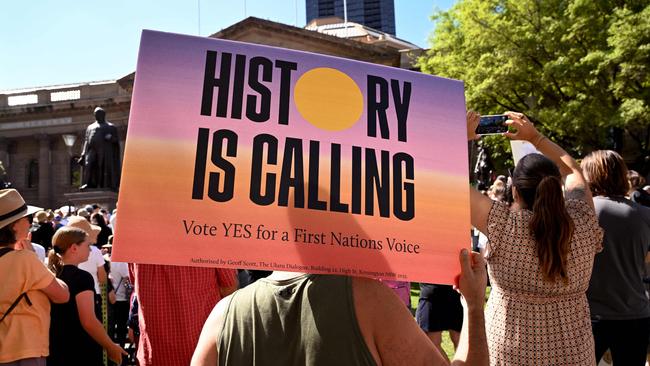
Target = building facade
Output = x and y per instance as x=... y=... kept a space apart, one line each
x=36 y=122
x=33 y=122
x=376 y=14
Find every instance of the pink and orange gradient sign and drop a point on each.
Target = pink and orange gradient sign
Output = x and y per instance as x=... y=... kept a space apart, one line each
x=246 y=156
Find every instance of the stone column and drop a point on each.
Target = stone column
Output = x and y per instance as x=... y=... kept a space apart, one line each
x=44 y=164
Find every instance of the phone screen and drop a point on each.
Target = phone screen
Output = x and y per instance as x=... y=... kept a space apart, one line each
x=492 y=124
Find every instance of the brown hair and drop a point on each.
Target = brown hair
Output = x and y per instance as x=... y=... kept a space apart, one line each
x=606 y=172
x=538 y=182
x=62 y=240
x=635 y=179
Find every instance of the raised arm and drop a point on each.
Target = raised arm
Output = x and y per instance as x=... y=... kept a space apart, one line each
x=575 y=184
x=480 y=205
x=394 y=338
x=472 y=346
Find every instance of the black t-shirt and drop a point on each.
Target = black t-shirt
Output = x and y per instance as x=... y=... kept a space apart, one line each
x=69 y=342
x=43 y=235
x=102 y=237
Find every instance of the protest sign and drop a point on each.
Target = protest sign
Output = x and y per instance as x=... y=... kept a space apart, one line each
x=247 y=156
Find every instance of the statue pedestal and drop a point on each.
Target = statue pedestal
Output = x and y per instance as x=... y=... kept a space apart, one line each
x=102 y=197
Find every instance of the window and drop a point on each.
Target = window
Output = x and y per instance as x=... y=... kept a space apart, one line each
x=32 y=174
x=15 y=100
x=65 y=95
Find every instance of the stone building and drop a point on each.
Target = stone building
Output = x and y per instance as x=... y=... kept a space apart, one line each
x=36 y=122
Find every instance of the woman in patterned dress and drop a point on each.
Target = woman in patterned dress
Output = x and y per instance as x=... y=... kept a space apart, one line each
x=540 y=254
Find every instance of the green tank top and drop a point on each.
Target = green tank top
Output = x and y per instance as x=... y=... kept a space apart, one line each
x=307 y=320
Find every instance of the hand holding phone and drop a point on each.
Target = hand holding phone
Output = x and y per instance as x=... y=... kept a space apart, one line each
x=491 y=125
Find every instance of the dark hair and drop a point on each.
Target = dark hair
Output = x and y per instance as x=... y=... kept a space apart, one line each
x=62 y=240
x=539 y=184
x=7 y=235
x=606 y=172
x=98 y=218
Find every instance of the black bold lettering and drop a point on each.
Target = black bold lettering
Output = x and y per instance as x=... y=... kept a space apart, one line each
x=285 y=89
x=238 y=87
x=335 y=181
x=256 y=169
x=375 y=181
x=292 y=158
x=312 y=188
x=214 y=181
x=199 y=163
x=376 y=109
x=264 y=92
x=408 y=212
x=356 y=179
x=210 y=82
x=401 y=106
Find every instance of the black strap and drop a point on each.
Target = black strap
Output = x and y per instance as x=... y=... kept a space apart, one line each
x=13 y=212
x=11 y=308
x=4 y=251
x=118 y=284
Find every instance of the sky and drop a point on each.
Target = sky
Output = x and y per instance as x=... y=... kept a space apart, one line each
x=45 y=42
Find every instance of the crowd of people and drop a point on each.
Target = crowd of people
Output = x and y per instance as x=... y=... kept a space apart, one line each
x=563 y=244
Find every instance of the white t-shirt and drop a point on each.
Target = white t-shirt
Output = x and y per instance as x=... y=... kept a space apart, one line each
x=112 y=220
x=95 y=259
x=119 y=272
x=40 y=252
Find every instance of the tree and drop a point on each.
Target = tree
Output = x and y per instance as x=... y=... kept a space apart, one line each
x=579 y=69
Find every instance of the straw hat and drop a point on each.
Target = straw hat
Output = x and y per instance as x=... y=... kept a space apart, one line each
x=83 y=224
x=13 y=207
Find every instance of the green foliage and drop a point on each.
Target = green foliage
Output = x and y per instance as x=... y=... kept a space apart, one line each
x=577 y=68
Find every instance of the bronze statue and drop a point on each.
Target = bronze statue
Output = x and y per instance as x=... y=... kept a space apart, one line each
x=100 y=156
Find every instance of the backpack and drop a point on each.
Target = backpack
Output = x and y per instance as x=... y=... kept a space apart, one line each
x=4 y=251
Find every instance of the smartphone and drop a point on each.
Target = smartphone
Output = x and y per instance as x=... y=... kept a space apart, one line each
x=490 y=125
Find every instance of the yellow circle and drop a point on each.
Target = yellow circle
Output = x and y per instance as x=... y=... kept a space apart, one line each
x=328 y=99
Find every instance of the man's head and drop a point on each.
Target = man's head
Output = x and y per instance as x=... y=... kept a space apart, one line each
x=100 y=114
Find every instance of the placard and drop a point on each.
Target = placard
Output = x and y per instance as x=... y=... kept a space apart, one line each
x=247 y=156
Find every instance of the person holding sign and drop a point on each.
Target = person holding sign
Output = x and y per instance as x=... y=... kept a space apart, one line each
x=540 y=254
x=305 y=319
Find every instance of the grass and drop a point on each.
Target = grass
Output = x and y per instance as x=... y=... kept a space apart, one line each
x=447 y=345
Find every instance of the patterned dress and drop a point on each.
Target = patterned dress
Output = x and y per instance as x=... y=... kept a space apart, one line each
x=531 y=321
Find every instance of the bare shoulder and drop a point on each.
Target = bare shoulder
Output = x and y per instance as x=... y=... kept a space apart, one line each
x=206 y=352
x=576 y=188
x=390 y=331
